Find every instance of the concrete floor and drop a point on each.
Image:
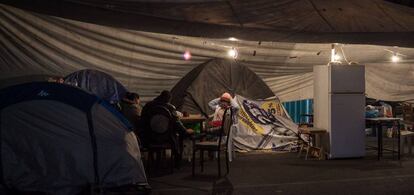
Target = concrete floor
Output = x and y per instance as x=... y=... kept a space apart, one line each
x=284 y=173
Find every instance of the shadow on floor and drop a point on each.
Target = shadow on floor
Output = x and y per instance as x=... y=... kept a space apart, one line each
x=170 y=185
x=201 y=178
x=222 y=186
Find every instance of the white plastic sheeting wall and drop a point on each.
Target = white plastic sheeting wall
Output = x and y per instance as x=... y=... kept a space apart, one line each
x=150 y=62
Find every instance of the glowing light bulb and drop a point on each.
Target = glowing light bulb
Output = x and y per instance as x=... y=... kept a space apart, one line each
x=336 y=57
x=232 y=53
x=232 y=39
x=187 y=55
x=395 y=58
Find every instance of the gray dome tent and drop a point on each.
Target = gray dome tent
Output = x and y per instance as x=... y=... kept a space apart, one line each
x=209 y=80
x=59 y=139
x=98 y=83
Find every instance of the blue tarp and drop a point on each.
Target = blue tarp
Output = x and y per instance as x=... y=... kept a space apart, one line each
x=300 y=110
x=98 y=83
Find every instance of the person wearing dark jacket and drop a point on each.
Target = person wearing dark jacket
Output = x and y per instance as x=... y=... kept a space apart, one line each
x=179 y=131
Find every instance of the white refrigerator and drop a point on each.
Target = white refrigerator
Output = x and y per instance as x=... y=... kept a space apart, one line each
x=339 y=107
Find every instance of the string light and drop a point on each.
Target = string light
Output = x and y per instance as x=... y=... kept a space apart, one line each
x=336 y=57
x=232 y=53
x=187 y=55
x=333 y=53
x=395 y=58
x=232 y=39
x=395 y=55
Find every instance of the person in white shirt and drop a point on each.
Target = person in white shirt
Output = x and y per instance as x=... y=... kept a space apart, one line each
x=219 y=105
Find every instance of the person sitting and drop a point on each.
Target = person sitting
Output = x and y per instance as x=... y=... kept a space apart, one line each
x=219 y=105
x=164 y=100
x=131 y=109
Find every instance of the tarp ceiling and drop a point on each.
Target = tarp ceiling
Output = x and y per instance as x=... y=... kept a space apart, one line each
x=277 y=48
x=310 y=21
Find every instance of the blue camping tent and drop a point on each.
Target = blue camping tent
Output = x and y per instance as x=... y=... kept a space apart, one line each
x=59 y=139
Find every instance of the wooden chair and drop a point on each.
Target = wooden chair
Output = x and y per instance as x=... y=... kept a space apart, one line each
x=406 y=140
x=215 y=146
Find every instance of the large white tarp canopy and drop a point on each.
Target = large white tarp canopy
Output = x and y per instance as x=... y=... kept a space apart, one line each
x=148 y=62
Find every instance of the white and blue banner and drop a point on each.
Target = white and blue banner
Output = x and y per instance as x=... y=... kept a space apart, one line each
x=264 y=124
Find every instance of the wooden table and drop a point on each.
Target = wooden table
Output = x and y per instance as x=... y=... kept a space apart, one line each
x=193 y=119
x=315 y=133
x=312 y=130
x=377 y=123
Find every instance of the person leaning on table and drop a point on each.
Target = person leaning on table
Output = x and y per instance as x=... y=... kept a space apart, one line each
x=163 y=100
